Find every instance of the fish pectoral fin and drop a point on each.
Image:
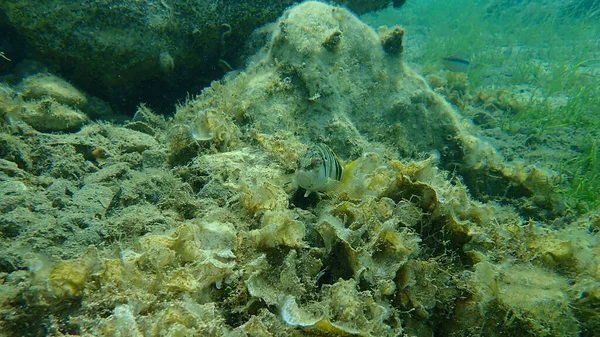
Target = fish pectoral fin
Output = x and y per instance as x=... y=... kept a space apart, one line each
x=347 y=174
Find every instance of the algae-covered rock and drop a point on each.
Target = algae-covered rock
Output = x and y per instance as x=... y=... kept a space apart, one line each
x=48 y=115
x=126 y=50
x=11 y=105
x=535 y=300
x=67 y=279
x=207 y=129
x=201 y=228
x=42 y=85
x=45 y=102
x=360 y=90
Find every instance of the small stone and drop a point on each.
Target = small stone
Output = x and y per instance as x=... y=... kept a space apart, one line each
x=48 y=115
x=47 y=85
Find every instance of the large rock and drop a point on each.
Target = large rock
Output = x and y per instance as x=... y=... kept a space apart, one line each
x=153 y=51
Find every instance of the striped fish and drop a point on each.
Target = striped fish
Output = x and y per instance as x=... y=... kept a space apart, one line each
x=318 y=169
x=456 y=63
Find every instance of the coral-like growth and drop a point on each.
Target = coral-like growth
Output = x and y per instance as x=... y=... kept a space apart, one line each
x=208 y=128
x=392 y=40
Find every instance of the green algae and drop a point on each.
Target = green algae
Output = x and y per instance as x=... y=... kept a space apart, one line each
x=547 y=51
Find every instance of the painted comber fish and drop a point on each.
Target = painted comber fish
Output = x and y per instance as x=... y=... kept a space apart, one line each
x=318 y=169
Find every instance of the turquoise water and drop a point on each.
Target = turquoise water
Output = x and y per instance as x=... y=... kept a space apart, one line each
x=545 y=56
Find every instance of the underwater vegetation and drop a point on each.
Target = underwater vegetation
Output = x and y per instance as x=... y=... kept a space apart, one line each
x=533 y=75
x=326 y=189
